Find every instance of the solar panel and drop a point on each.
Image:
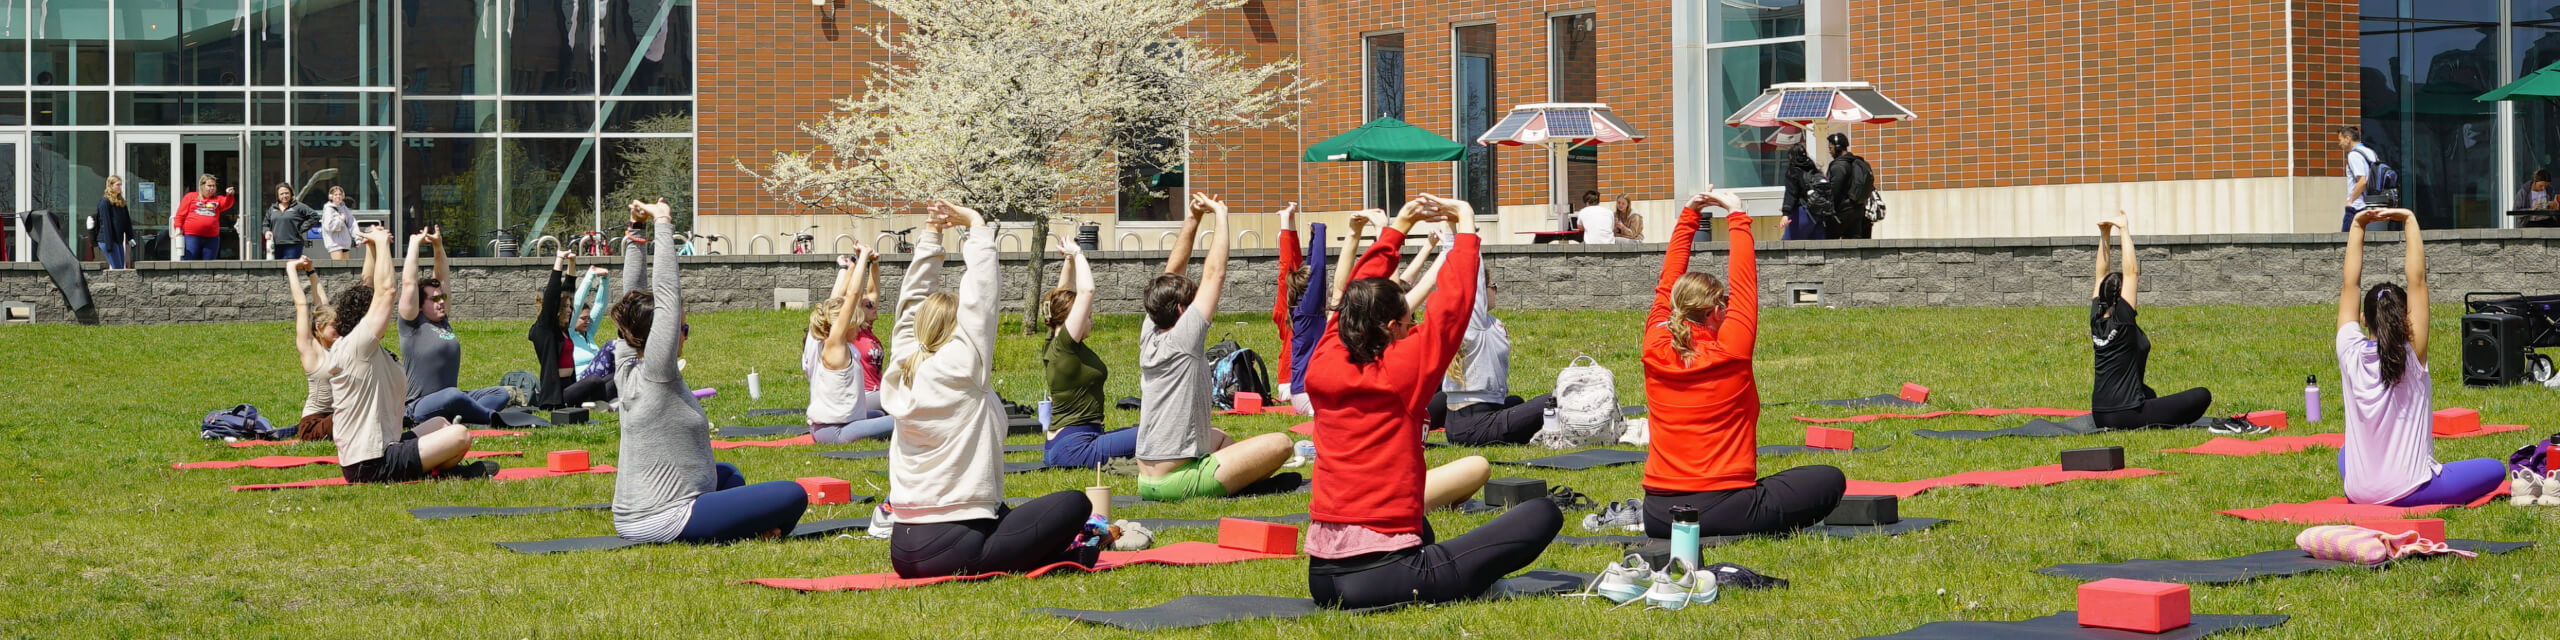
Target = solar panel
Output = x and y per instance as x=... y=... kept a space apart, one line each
x=1620 y=123
x=1508 y=127
x=1806 y=105
x=1569 y=124
x=1758 y=103
x=1876 y=103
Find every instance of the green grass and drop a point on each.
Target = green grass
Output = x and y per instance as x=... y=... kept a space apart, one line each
x=106 y=541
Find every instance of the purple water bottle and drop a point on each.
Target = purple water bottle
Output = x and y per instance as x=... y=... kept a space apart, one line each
x=2311 y=398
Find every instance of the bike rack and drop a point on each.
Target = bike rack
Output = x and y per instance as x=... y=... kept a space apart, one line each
x=1122 y=243
x=837 y=245
x=1248 y=233
x=1002 y=236
x=1165 y=240
x=751 y=243
x=555 y=243
x=890 y=238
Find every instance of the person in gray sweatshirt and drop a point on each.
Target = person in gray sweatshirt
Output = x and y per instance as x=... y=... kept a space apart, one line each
x=286 y=223
x=668 y=488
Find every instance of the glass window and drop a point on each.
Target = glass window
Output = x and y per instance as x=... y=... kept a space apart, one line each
x=1574 y=76
x=451 y=182
x=1384 y=77
x=347 y=43
x=179 y=42
x=550 y=48
x=551 y=116
x=1738 y=21
x=268 y=148
x=1478 y=182
x=2418 y=114
x=357 y=161
x=651 y=168
x=267 y=22
x=342 y=108
x=71 y=172
x=649 y=117
x=70 y=45
x=69 y=108
x=180 y=108
x=449 y=47
x=451 y=116
x=13 y=42
x=267 y=107
x=1737 y=76
x=648 y=48
x=2537 y=123
x=551 y=184
x=13 y=108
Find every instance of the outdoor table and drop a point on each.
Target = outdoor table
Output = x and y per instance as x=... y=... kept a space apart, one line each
x=2530 y=218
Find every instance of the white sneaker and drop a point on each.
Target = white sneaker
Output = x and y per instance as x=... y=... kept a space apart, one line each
x=2522 y=491
x=2550 y=491
x=879 y=522
x=1621 y=582
x=1678 y=593
x=1133 y=536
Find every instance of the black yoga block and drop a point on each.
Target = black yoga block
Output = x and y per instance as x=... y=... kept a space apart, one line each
x=1864 y=511
x=2093 y=459
x=1504 y=492
x=569 y=415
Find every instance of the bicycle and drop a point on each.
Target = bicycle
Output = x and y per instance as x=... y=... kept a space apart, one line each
x=507 y=242
x=590 y=243
x=685 y=243
x=806 y=241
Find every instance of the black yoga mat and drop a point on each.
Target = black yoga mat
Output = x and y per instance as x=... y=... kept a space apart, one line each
x=519 y=418
x=759 y=432
x=2268 y=564
x=2066 y=626
x=1792 y=449
x=777 y=412
x=1195 y=611
x=606 y=543
x=1907 y=525
x=1160 y=524
x=2037 y=428
x=60 y=261
x=878 y=454
x=1584 y=459
x=448 y=513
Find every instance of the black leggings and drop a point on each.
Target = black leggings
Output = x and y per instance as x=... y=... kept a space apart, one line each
x=1784 y=501
x=1459 y=569
x=1016 y=540
x=588 y=389
x=1486 y=423
x=2173 y=410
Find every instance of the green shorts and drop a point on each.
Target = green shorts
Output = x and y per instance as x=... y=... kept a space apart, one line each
x=1199 y=479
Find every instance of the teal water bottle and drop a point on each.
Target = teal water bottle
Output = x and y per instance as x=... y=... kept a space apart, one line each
x=1684 y=534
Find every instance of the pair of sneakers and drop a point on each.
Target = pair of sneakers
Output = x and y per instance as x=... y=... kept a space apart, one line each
x=2529 y=490
x=1625 y=515
x=2235 y=427
x=476 y=470
x=1675 y=587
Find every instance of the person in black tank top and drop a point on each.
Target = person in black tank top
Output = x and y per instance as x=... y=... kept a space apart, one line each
x=2119 y=399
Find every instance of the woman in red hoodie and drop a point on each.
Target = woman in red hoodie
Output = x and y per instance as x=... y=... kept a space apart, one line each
x=1706 y=407
x=199 y=219
x=1368 y=378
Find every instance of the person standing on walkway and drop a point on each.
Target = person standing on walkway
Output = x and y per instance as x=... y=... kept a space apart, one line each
x=113 y=224
x=1852 y=184
x=286 y=223
x=198 y=218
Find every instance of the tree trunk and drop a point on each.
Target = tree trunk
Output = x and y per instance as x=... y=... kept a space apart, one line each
x=1031 y=294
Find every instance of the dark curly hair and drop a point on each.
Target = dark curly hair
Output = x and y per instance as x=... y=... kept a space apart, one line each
x=1368 y=306
x=632 y=315
x=351 y=307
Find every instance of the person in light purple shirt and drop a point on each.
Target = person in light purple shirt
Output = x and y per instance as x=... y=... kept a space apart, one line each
x=2389 y=457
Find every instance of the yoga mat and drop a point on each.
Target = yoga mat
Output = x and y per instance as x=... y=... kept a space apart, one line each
x=1009 y=467
x=2485 y=430
x=1160 y=524
x=1983 y=413
x=725 y=445
x=607 y=543
x=1279 y=408
x=518 y=473
x=1117 y=501
x=1582 y=460
x=519 y=418
x=1907 y=525
x=2037 y=428
x=777 y=412
x=883 y=454
x=1177 y=554
x=2014 y=479
x=287 y=462
x=475 y=433
x=2066 y=626
x=761 y=432
x=2280 y=444
x=1793 y=449
x=1196 y=611
x=2265 y=564
x=1877 y=400
x=60 y=262
x=448 y=513
x=2338 y=510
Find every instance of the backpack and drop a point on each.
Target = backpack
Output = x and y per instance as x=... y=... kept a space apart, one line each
x=1586 y=408
x=240 y=422
x=523 y=383
x=1875 y=207
x=2383 y=190
x=1862 y=189
x=1236 y=369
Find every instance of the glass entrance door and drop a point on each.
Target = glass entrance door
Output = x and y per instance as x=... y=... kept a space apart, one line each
x=219 y=154
x=149 y=164
x=13 y=194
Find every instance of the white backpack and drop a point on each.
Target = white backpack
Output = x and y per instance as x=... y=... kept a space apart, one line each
x=1586 y=408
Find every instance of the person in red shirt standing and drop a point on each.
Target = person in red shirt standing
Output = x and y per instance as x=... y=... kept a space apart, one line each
x=1705 y=404
x=1368 y=377
x=199 y=218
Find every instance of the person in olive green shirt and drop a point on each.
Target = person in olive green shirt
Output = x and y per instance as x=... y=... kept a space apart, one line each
x=1076 y=374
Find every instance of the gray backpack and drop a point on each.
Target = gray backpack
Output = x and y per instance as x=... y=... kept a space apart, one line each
x=1586 y=408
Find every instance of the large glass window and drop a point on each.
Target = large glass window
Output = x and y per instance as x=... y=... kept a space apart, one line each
x=268 y=28
x=13 y=41
x=71 y=171
x=180 y=42
x=651 y=168
x=550 y=47
x=1573 y=75
x=551 y=182
x=449 y=47
x=70 y=45
x=1383 y=77
x=451 y=182
x=1759 y=19
x=648 y=48
x=2536 y=38
x=1737 y=74
x=2420 y=72
x=357 y=161
x=347 y=43
x=1478 y=181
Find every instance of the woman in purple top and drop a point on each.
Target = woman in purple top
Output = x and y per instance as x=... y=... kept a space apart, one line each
x=2389 y=457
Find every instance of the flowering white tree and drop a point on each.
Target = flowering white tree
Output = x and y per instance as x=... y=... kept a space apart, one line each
x=1027 y=108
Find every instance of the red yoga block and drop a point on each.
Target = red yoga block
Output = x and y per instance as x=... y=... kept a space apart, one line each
x=1248 y=402
x=569 y=461
x=2270 y=418
x=1257 y=536
x=825 y=490
x=1915 y=393
x=1829 y=438
x=2431 y=529
x=2456 y=421
x=2133 y=605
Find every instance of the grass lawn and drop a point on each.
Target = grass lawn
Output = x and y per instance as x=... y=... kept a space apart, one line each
x=110 y=542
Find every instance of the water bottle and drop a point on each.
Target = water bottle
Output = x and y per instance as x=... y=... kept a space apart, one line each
x=2311 y=398
x=1550 y=426
x=755 y=385
x=1044 y=413
x=1684 y=534
x=1307 y=450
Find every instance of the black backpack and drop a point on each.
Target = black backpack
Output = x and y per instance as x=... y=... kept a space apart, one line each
x=240 y=422
x=1862 y=187
x=1234 y=369
x=2384 y=189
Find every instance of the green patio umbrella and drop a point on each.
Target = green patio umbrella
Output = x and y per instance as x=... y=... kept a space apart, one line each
x=2542 y=83
x=1386 y=140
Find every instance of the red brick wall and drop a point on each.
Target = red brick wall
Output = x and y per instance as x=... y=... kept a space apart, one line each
x=2021 y=92
x=2326 y=54
x=1635 y=79
x=1259 y=171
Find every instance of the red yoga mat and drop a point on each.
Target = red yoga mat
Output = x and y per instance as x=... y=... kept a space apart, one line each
x=1985 y=413
x=2337 y=510
x=2015 y=478
x=476 y=433
x=286 y=462
x=2278 y=444
x=518 y=473
x=725 y=445
x=2484 y=430
x=1177 y=554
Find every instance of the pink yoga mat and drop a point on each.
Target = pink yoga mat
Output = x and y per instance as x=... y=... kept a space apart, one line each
x=1985 y=413
x=476 y=433
x=2336 y=510
x=2278 y=444
x=2014 y=478
x=519 y=473
x=286 y=462
x=785 y=442
x=1179 y=554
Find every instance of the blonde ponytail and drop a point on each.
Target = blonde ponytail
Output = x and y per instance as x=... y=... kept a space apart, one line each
x=1692 y=298
x=936 y=317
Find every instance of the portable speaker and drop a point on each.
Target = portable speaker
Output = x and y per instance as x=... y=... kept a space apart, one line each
x=2493 y=349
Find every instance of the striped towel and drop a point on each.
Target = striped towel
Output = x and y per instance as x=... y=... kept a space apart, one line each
x=2364 y=546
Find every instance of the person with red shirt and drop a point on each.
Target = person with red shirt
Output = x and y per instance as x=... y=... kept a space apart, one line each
x=1368 y=377
x=199 y=218
x=1706 y=406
